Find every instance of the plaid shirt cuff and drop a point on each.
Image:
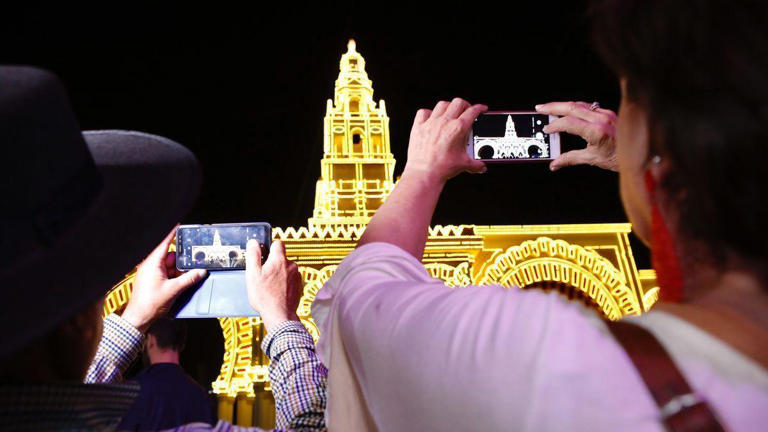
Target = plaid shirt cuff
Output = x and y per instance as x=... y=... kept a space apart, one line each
x=286 y=335
x=120 y=344
x=124 y=338
x=298 y=378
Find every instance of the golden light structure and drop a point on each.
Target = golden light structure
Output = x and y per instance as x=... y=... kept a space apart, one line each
x=591 y=263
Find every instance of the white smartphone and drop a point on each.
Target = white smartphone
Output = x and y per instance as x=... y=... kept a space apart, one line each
x=513 y=136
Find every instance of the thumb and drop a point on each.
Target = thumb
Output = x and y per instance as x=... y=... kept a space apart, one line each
x=573 y=157
x=186 y=280
x=277 y=250
x=252 y=257
x=476 y=167
x=160 y=252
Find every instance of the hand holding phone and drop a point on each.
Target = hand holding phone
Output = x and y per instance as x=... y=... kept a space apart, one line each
x=436 y=147
x=274 y=288
x=221 y=249
x=156 y=286
x=597 y=126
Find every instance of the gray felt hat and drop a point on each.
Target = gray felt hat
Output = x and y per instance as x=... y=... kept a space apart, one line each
x=77 y=209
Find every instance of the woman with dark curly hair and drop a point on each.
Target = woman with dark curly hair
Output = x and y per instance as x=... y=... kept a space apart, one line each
x=690 y=143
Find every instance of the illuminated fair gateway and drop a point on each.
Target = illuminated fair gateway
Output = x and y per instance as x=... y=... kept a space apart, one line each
x=510 y=145
x=590 y=263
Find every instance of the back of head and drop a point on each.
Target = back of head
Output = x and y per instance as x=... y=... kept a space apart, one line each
x=700 y=70
x=169 y=333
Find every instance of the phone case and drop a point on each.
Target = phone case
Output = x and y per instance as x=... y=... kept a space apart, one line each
x=221 y=294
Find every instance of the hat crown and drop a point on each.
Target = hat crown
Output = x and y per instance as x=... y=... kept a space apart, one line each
x=42 y=146
x=49 y=176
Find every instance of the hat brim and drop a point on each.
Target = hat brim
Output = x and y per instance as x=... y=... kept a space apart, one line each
x=148 y=184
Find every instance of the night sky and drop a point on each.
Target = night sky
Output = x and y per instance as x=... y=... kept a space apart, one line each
x=244 y=87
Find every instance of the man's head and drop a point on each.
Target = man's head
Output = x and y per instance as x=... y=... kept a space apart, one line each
x=165 y=340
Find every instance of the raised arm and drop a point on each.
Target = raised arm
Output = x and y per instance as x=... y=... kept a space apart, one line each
x=156 y=286
x=297 y=376
x=436 y=153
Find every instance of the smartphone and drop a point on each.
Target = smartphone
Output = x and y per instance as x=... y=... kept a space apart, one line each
x=219 y=246
x=512 y=136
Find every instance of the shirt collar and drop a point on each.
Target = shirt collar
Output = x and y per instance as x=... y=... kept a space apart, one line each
x=64 y=406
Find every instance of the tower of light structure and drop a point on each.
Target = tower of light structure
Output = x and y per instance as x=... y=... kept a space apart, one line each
x=357 y=167
x=589 y=263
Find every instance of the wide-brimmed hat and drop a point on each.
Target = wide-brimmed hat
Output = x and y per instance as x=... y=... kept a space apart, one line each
x=78 y=210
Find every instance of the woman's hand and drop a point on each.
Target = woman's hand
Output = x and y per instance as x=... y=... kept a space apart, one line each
x=437 y=151
x=438 y=144
x=597 y=127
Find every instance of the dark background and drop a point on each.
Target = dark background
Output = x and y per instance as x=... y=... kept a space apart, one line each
x=244 y=86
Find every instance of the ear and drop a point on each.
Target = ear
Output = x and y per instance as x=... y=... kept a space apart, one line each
x=151 y=341
x=657 y=166
x=655 y=173
x=86 y=325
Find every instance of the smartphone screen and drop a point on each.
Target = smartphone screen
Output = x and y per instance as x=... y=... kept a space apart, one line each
x=501 y=136
x=219 y=246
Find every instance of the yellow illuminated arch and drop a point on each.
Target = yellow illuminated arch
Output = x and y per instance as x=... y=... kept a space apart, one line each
x=313 y=281
x=546 y=259
x=119 y=294
x=454 y=276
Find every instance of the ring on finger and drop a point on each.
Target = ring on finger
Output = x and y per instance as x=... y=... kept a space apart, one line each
x=594 y=106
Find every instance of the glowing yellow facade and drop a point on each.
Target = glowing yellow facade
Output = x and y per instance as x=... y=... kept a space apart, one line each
x=357 y=167
x=591 y=263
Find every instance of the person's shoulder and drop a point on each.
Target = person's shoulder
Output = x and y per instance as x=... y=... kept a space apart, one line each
x=383 y=259
x=142 y=375
x=191 y=381
x=379 y=250
x=551 y=310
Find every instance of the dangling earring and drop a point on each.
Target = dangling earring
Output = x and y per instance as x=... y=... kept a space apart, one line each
x=663 y=253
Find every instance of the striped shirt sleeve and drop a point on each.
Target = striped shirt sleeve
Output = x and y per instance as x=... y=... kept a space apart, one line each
x=298 y=381
x=297 y=376
x=120 y=344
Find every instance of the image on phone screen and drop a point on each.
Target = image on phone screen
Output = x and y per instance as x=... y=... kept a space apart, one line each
x=218 y=246
x=499 y=136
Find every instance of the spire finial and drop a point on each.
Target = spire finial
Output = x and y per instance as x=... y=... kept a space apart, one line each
x=351 y=45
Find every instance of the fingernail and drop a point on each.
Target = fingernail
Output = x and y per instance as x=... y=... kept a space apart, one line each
x=252 y=243
x=545 y=129
x=538 y=107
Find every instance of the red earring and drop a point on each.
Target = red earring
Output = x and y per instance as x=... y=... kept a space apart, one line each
x=663 y=254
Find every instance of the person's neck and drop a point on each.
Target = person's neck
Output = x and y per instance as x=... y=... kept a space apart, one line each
x=166 y=356
x=732 y=291
x=731 y=305
x=730 y=285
